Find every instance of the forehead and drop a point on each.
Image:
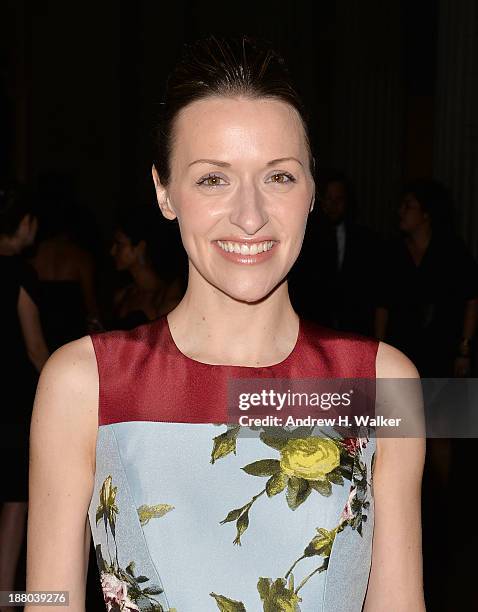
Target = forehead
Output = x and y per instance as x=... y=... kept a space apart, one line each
x=235 y=128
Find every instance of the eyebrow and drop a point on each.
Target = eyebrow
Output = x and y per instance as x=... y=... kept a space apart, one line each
x=222 y=164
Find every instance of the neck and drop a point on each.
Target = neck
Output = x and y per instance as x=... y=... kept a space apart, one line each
x=212 y=327
x=420 y=237
x=6 y=247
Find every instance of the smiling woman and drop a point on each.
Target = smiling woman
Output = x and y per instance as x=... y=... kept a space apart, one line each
x=189 y=510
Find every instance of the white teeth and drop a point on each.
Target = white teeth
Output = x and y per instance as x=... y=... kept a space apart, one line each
x=246 y=249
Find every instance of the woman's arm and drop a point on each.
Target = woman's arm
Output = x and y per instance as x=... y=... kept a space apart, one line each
x=31 y=329
x=62 y=465
x=396 y=578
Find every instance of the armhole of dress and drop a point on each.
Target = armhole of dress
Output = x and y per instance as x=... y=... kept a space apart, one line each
x=375 y=355
x=95 y=342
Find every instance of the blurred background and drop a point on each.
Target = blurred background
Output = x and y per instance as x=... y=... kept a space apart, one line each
x=392 y=93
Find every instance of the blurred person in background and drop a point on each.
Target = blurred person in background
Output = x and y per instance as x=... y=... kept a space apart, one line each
x=428 y=309
x=342 y=256
x=355 y=253
x=65 y=268
x=149 y=257
x=428 y=306
x=25 y=351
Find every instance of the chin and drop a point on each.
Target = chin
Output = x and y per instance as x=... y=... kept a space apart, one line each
x=249 y=293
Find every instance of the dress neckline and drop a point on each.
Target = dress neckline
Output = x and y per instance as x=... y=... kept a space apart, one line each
x=282 y=363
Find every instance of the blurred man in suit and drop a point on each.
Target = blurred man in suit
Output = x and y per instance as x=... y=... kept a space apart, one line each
x=340 y=258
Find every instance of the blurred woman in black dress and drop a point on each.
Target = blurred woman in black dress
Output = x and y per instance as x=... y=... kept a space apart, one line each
x=428 y=304
x=65 y=267
x=25 y=351
x=428 y=309
x=153 y=262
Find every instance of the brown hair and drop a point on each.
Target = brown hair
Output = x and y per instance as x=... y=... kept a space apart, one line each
x=236 y=66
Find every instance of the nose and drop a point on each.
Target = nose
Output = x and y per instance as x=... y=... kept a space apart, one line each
x=248 y=210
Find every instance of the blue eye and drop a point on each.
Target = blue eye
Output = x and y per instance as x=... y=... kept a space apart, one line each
x=282 y=178
x=211 y=180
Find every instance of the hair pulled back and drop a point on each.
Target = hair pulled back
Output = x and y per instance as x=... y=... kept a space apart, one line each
x=435 y=199
x=225 y=67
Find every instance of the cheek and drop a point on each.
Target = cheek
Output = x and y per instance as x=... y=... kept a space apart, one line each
x=294 y=216
x=197 y=217
x=125 y=255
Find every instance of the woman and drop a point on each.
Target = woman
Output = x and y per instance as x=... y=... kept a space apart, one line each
x=25 y=352
x=429 y=309
x=65 y=266
x=153 y=291
x=177 y=523
x=429 y=302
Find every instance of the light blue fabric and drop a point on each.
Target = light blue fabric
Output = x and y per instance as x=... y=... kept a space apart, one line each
x=188 y=553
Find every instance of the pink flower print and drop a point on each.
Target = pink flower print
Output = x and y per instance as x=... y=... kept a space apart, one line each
x=115 y=594
x=354 y=444
x=347 y=512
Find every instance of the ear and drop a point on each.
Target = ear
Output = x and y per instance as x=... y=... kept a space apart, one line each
x=312 y=202
x=141 y=246
x=162 y=196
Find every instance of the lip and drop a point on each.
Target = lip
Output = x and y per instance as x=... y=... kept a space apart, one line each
x=249 y=239
x=239 y=258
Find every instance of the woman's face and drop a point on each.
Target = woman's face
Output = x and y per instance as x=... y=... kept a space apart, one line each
x=241 y=189
x=411 y=214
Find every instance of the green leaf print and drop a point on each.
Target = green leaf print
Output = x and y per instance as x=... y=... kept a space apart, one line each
x=122 y=590
x=225 y=604
x=278 y=596
x=107 y=508
x=146 y=513
x=242 y=524
x=335 y=477
x=276 y=484
x=298 y=490
x=273 y=441
x=225 y=443
x=233 y=515
x=322 y=543
x=322 y=486
x=242 y=516
x=305 y=465
x=264 y=467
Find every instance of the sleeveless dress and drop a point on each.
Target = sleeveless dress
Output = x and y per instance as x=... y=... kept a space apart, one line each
x=18 y=379
x=189 y=515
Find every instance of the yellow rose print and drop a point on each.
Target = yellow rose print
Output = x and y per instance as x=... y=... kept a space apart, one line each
x=309 y=458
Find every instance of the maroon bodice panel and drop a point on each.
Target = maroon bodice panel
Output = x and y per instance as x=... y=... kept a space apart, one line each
x=144 y=376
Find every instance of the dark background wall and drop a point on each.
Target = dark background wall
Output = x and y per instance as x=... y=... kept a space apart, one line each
x=81 y=83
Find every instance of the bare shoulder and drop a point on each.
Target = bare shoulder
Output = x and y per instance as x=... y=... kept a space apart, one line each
x=73 y=366
x=403 y=399
x=61 y=471
x=392 y=363
x=66 y=400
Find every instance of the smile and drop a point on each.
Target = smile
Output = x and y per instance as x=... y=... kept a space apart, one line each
x=246 y=253
x=242 y=248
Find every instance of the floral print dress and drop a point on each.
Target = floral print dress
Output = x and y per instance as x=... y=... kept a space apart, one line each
x=191 y=513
